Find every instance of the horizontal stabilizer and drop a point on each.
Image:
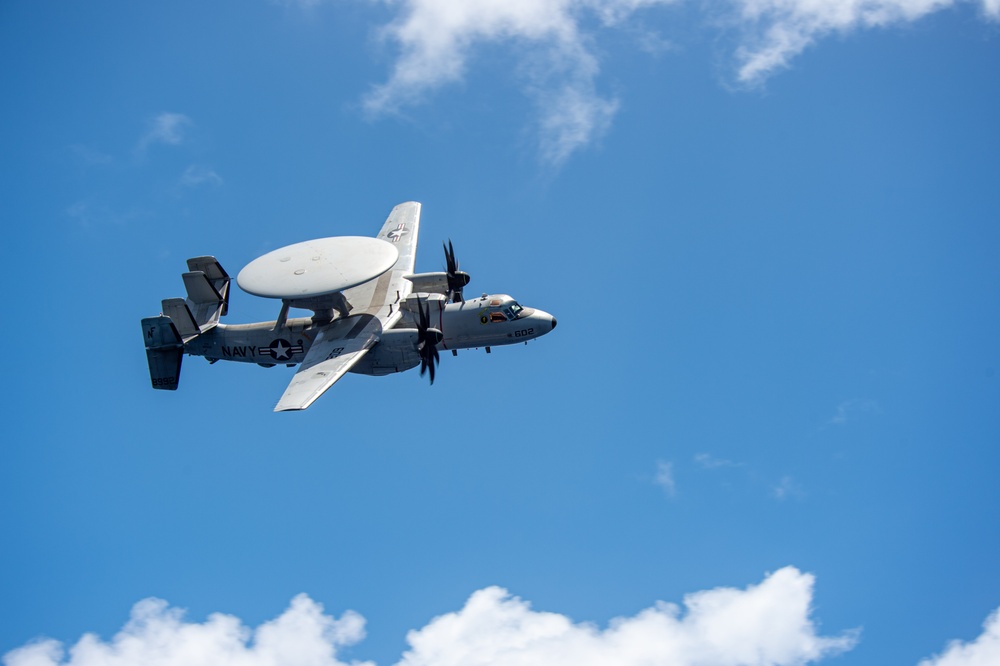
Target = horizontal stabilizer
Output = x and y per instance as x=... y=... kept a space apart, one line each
x=179 y=313
x=164 y=352
x=217 y=277
x=199 y=289
x=209 y=266
x=205 y=303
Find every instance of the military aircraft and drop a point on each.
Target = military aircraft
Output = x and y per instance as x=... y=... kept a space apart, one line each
x=371 y=313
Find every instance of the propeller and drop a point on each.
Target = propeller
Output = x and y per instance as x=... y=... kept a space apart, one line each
x=456 y=279
x=427 y=341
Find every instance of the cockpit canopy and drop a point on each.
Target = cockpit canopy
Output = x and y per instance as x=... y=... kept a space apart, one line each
x=500 y=308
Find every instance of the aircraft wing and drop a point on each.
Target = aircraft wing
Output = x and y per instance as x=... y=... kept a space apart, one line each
x=374 y=308
x=338 y=346
x=380 y=298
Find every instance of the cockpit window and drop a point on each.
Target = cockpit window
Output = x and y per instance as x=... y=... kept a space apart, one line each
x=501 y=309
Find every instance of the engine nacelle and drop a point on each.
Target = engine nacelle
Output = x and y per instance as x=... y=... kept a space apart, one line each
x=396 y=351
x=431 y=303
x=431 y=283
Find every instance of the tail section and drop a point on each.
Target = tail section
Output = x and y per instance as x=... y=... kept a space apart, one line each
x=207 y=285
x=164 y=351
x=184 y=319
x=179 y=312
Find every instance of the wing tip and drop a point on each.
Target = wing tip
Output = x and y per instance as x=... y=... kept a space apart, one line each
x=302 y=405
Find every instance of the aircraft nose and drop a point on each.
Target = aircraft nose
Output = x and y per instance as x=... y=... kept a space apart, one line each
x=544 y=318
x=543 y=322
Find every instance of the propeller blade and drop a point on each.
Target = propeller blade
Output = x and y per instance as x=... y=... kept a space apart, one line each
x=427 y=340
x=456 y=279
x=424 y=322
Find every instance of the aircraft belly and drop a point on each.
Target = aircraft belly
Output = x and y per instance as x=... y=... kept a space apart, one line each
x=466 y=332
x=395 y=352
x=386 y=364
x=493 y=335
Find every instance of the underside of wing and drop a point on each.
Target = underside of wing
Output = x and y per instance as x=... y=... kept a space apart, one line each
x=338 y=346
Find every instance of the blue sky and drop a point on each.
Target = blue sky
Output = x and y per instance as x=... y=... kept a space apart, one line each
x=765 y=430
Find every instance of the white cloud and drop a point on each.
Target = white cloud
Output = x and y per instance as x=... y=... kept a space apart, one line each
x=81 y=211
x=88 y=214
x=166 y=128
x=90 y=156
x=786 y=488
x=762 y=624
x=850 y=410
x=768 y=623
x=709 y=461
x=157 y=634
x=570 y=117
x=665 y=477
x=983 y=651
x=775 y=31
x=437 y=37
x=198 y=174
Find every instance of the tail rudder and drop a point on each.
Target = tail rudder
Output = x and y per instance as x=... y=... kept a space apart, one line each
x=207 y=285
x=164 y=352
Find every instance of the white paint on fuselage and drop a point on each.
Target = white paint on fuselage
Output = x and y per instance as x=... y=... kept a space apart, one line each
x=487 y=321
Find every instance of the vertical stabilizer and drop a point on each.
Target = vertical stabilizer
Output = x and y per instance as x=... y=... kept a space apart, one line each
x=164 y=352
x=183 y=319
x=207 y=285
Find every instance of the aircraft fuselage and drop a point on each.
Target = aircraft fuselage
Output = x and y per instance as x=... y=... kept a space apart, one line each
x=489 y=321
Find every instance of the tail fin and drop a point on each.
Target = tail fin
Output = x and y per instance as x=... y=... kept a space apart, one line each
x=164 y=352
x=207 y=285
x=180 y=314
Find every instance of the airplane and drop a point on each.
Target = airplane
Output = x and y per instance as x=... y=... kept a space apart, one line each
x=372 y=314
